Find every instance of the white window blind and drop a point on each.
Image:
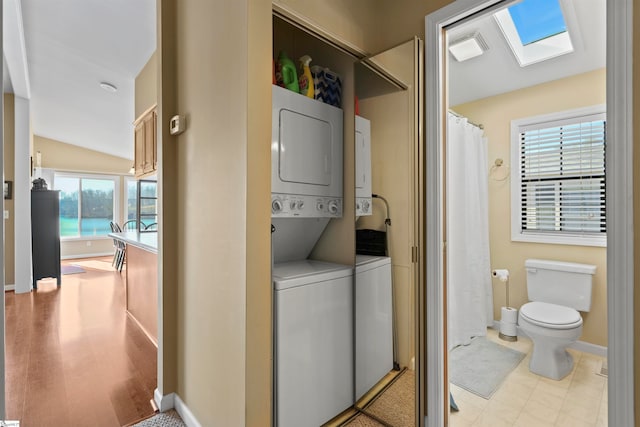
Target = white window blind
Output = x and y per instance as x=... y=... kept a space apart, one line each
x=562 y=176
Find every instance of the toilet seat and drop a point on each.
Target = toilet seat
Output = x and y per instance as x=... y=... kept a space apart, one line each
x=550 y=316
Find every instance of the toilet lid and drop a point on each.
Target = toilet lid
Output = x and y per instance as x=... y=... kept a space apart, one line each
x=551 y=315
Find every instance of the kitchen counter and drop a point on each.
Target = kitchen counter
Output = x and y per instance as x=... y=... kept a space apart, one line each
x=141 y=256
x=146 y=240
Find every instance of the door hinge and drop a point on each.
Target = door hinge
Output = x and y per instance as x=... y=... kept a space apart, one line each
x=414 y=254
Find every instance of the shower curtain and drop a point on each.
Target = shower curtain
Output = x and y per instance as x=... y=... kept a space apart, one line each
x=469 y=289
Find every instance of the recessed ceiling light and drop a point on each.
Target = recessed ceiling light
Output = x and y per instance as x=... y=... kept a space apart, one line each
x=108 y=87
x=468 y=47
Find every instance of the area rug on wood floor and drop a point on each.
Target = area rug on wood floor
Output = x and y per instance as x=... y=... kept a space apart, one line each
x=163 y=419
x=71 y=269
x=481 y=366
x=96 y=265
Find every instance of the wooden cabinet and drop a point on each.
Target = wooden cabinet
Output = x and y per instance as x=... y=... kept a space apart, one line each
x=45 y=235
x=146 y=153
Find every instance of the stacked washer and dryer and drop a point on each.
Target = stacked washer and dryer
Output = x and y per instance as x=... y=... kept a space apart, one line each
x=319 y=365
x=313 y=300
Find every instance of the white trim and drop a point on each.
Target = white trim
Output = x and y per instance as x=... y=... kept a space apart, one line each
x=620 y=268
x=84 y=238
x=587 y=347
x=14 y=48
x=9 y=288
x=173 y=401
x=185 y=413
x=582 y=346
x=23 y=271
x=80 y=256
x=164 y=402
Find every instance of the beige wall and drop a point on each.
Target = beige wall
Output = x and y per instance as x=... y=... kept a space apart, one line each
x=72 y=158
x=222 y=199
x=9 y=167
x=146 y=86
x=496 y=113
x=67 y=157
x=353 y=20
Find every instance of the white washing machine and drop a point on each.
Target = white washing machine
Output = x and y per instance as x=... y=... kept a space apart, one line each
x=313 y=329
x=374 y=321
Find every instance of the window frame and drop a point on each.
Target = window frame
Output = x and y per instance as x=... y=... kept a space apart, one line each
x=125 y=197
x=561 y=238
x=116 y=199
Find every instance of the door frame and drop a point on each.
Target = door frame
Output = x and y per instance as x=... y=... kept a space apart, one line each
x=619 y=200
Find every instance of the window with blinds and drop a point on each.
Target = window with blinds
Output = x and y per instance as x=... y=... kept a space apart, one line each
x=560 y=180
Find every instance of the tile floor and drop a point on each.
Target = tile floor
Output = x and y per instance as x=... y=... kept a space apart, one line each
x=529 y=400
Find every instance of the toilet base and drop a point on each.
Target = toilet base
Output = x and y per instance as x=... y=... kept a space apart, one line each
x=552 y=362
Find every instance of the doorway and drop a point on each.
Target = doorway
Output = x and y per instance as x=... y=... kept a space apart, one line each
x=619 y=269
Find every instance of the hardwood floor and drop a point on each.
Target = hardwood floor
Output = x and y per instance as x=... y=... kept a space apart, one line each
x=73 y=356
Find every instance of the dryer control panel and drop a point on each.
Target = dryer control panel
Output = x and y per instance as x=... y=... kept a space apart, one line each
x=291 y=205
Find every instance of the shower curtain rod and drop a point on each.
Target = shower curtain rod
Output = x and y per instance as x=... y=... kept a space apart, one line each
x=468 y=121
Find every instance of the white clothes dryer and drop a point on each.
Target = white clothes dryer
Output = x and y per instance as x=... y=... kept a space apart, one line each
x=313 y=328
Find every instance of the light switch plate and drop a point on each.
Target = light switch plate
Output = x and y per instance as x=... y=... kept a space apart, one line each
x=6 y=214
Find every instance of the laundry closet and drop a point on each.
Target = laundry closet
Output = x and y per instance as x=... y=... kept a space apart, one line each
x=321 y=180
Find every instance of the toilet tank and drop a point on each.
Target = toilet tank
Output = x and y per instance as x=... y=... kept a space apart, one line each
x=557 y=282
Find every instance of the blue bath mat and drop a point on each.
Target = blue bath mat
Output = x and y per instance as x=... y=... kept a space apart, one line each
x=481 y=366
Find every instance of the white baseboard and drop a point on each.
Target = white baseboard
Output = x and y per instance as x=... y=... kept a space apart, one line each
x=9 y=288
x=185 y=413
x=586 y=347
x=79 y=256
x=582 y=346
x=164 y=402
x=173 y=401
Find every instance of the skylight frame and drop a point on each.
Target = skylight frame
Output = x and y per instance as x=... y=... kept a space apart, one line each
x=542 y=50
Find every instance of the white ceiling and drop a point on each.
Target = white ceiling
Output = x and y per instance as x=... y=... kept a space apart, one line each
x=497 y=70
x=72 y=46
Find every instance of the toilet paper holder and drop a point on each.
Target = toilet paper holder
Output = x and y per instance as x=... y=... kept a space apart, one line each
x=508 y=321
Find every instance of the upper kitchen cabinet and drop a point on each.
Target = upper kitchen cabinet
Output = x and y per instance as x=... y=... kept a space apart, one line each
x=145 y=154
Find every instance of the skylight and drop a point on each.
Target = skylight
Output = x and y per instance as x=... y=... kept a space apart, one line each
x=535 y=30
x=537 y=19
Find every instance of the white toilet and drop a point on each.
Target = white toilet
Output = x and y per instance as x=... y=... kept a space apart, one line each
x=557 y=290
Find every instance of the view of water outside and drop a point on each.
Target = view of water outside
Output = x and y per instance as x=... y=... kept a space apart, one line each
x=132 y=195
x=86 y=206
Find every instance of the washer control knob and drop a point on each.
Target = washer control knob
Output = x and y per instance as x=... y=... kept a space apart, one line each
x=365 y=206
x=320 y=206
x=276 y=206
x=300 y=204
x=333 y=207
x=292 y=205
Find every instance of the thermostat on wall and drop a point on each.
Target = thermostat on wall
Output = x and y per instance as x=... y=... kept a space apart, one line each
x=177 y=125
